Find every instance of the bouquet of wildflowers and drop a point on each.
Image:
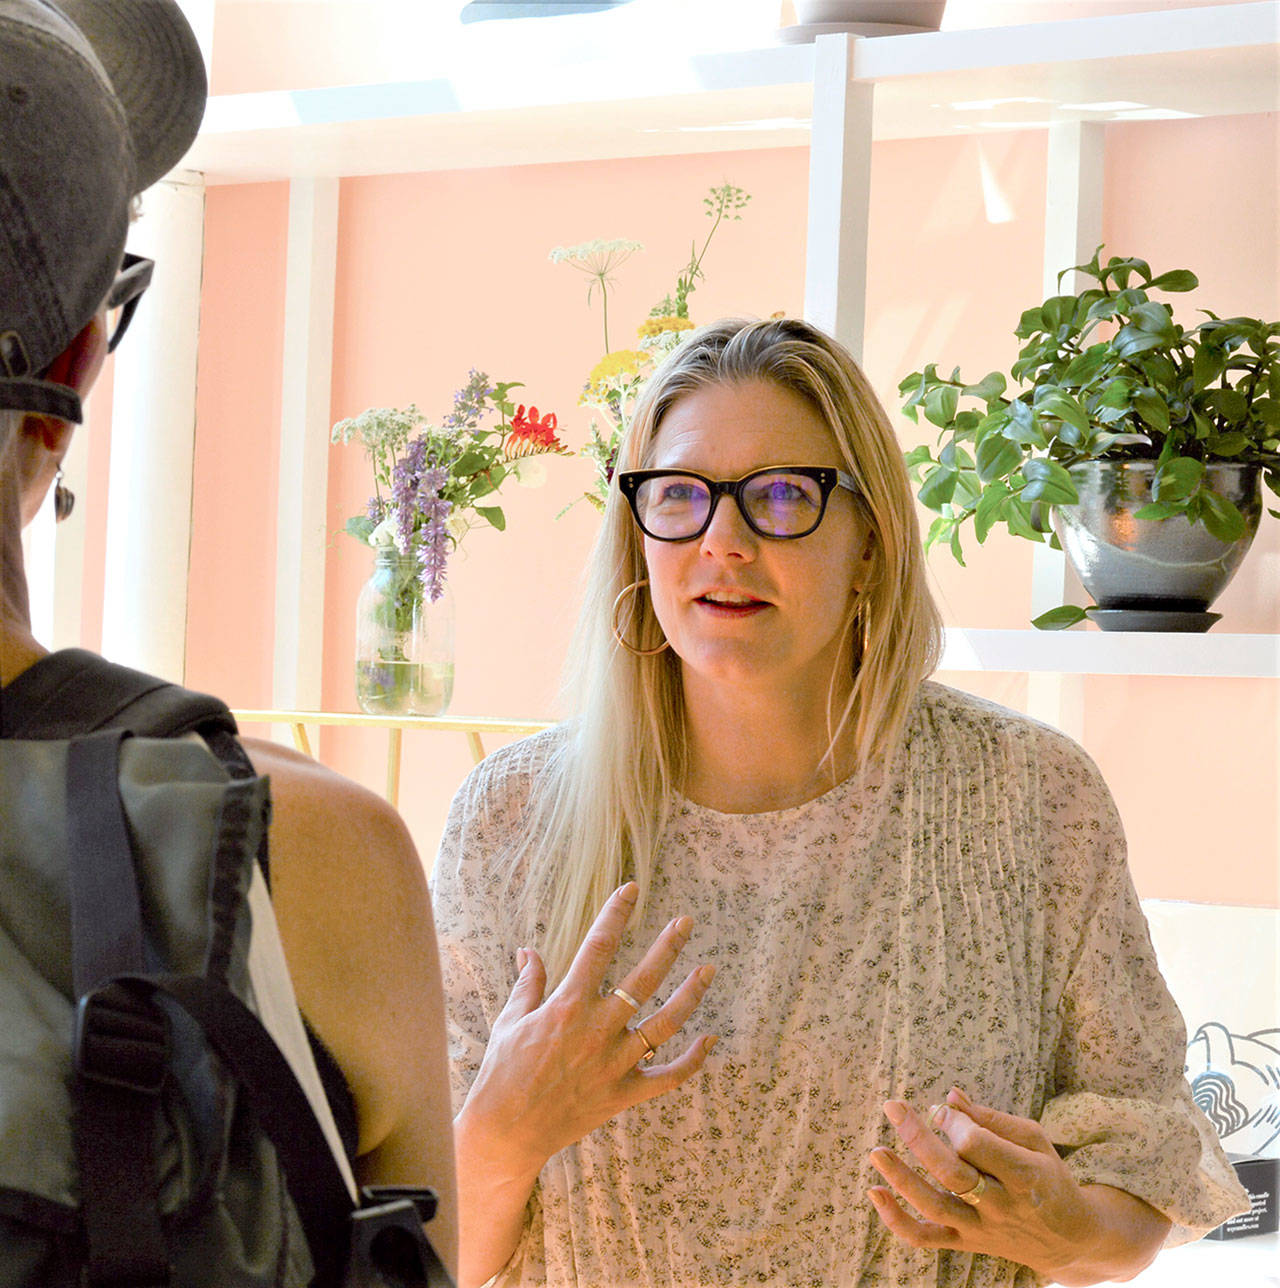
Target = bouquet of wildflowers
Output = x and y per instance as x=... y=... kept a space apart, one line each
x=615 y=381
x=433 y=484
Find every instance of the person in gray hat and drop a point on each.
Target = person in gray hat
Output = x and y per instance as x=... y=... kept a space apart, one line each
x=98 y=100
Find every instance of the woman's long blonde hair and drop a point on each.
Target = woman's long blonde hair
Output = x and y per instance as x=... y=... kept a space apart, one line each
x=601 y=805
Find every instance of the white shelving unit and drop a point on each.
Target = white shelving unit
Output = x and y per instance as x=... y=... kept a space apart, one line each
x=1210 y=61
x=835 y=96
x=1254 y=657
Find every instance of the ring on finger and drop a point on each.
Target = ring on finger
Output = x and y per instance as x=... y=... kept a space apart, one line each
x=626 y=997
x=649 y=1050
x=973 y=1195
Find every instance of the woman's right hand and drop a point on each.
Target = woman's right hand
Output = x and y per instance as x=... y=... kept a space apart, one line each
x=556 y=1069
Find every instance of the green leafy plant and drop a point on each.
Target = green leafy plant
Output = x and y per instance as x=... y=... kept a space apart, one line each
x=1107 y=374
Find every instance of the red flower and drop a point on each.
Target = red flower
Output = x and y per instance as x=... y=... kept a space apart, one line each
x=532 y=434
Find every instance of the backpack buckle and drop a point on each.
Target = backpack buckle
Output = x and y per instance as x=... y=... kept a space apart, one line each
x=388 y=1243
x=121 y=1040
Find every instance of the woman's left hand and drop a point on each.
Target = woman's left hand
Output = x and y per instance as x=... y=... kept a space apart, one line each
x=1022 y=1204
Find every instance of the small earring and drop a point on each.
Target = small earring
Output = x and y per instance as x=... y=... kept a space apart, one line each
x=64 y=499
x=617 y=629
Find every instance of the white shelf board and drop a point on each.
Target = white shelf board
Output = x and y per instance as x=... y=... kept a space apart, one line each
x=1252 y=1262
x=467 y=113
x=1092 y=652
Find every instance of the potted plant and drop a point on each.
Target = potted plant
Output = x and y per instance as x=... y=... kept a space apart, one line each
x=1136 y=443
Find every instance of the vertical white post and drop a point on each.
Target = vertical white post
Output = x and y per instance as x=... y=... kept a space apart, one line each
x=39 y=559
x=153 y=420
x=1072 y=232
x=53 y=555
x=304 y=442
x=835 y=286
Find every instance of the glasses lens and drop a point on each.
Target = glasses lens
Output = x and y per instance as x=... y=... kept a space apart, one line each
x=783 y=504
x=672 y=505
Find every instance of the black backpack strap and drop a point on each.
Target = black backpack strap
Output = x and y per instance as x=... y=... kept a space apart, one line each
x=74 y=691
x=121 y=1041
x=121 y=1052
x=281 y=1107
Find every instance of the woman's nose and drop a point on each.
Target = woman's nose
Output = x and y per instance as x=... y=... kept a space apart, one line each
x=728 y=535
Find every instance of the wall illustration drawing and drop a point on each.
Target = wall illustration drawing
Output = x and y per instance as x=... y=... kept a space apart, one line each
x=1222 y=965
x=1235 y=1079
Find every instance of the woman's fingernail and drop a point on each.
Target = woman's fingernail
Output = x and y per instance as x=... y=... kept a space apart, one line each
x=522 y=959
x=684 y=927
x=706 y=974
x=628 y=891
x=709 y=1043
x=937 y=1116
x=895 y=1111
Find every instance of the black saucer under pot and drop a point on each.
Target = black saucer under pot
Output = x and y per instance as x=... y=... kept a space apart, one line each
x=1152 y=574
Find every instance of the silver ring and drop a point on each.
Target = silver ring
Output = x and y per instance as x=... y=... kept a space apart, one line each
x=972 y=1196
x=626 y=997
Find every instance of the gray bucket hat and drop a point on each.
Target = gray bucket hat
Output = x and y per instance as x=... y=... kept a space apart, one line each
x=98 y=100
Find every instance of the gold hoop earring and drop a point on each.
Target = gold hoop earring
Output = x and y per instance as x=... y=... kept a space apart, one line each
x=617 y=629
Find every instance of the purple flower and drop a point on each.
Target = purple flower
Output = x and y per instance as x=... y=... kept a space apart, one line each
x=405 y=478
x=435 y=535
x=435 y=552
x=469 y=403
x=417 y=485
x=376 y=509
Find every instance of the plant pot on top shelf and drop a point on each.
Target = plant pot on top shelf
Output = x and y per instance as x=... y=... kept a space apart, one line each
x=1145 y=444
x=851 y=13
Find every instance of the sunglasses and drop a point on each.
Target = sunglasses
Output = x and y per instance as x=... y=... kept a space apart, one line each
x=782 y=502
x=122 y=300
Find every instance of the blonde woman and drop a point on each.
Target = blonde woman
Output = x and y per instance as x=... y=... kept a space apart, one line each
x=910 y=898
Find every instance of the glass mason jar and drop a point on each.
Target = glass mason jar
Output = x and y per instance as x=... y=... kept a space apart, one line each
x=404 y=643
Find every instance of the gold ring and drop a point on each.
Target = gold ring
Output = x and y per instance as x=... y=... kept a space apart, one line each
x=626 y=997
x=973 y=1196
x=649 y=1051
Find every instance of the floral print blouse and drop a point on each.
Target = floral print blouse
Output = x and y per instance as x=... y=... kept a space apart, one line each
x=964 y=915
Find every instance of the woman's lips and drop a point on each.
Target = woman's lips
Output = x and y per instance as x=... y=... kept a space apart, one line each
x=730 y=607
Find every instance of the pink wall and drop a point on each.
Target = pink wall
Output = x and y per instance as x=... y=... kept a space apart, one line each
x=441 y=272
x=230 y=609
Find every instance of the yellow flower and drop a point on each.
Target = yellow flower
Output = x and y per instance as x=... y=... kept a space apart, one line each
x=667 y=322
x=615 y=371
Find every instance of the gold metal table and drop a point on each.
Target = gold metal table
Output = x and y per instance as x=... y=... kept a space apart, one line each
x=472 y=726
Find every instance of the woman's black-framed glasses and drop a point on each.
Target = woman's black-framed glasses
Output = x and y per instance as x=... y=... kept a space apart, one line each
x=782 y=502
x=122 y=300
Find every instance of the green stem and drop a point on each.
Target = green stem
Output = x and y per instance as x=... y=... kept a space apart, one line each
x=697 y=263
x=604 y=308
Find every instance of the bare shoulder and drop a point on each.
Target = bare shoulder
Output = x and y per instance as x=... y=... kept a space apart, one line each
x=331 y=816
x=292 y=772
x=351 y=901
